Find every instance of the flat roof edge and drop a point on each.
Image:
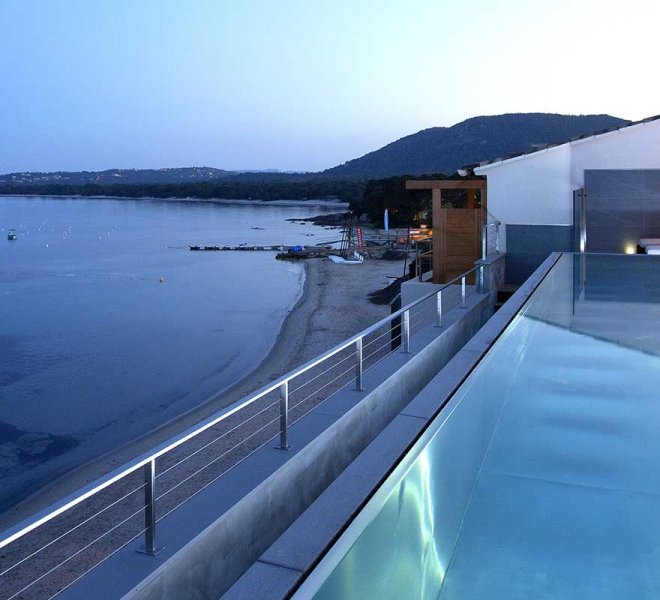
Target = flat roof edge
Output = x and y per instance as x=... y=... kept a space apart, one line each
x=477 y=168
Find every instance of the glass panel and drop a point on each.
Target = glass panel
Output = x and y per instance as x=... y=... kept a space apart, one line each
x=544 y=480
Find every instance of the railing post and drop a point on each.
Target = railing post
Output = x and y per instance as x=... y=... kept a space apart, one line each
x=358 y=365
x=406 y=332
x=463 y=303
x=150 y=510
x=482 y=279
x=484 y=241
x=497 y=237
x=284 y=416
x=438 y=307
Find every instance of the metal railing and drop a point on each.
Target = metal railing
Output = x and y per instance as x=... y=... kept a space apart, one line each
x=423 y=257
x=128 y=497
x=490 y=244
x=490 y=239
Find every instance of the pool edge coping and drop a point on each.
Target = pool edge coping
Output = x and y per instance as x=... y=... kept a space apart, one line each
x=313 y=578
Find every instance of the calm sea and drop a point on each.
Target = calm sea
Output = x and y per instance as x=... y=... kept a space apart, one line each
x=95 y=350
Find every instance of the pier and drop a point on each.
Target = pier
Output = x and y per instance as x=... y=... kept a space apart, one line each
x=243 y=247
x=371 y=249
x=284 y=252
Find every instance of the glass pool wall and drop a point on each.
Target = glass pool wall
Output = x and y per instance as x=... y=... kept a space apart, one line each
x=541 y=478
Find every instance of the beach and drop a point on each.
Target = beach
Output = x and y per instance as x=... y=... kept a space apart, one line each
x=328 y=303
x=334 y=305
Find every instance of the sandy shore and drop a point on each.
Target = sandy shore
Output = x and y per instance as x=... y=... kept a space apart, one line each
x=316 y=203
x=333 y=307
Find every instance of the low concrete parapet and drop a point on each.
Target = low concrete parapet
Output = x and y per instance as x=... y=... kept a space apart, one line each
x=211 y=562
x=282 y=567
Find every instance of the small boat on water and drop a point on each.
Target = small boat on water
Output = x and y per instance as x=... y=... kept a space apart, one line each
x=11 y=234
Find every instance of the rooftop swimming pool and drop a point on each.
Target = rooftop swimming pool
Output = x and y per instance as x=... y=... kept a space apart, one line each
x=541 y=477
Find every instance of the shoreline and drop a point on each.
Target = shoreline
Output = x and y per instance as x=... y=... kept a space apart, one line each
x=323 y=316
x=313 y=202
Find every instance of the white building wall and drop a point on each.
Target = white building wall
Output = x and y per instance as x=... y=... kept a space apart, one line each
x=635 y=147
x=537 y=189
x=531 y=190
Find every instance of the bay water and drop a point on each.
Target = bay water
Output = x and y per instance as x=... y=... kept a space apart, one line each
x=110 y=326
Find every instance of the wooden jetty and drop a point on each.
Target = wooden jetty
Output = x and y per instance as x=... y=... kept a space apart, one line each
x=371 y=248
x=241 y=248
x=284 y=252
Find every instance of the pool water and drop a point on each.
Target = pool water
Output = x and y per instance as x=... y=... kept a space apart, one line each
x=542 y=479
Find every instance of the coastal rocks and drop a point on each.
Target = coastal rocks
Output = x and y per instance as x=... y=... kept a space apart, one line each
x=332 y=220
x=20 y=448
x=388 y=293
x=33 y=444
x=394 y=255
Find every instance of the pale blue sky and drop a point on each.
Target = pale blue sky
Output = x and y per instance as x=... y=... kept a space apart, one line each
x=299 y=84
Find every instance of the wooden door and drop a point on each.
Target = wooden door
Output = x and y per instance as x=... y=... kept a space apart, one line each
x=456 y=241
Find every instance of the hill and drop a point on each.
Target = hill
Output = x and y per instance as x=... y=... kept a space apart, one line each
x=126 y=176
x=435 y=150
x=446 y=149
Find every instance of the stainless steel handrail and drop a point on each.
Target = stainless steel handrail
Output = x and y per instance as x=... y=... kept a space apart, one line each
x=419 y=255
x=147 y=461
x=484 y=238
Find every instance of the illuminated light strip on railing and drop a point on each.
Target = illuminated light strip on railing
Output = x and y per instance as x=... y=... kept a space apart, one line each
x=148 y=459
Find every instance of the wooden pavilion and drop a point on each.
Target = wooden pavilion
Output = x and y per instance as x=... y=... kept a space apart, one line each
x=456 y=231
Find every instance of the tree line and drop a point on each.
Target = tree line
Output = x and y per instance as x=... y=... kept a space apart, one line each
x=366 y=198
x=257 y=189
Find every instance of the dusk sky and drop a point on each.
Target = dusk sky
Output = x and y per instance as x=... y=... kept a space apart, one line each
x=299 y=85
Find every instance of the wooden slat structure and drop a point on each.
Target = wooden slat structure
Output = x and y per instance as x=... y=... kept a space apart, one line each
x=456 y=231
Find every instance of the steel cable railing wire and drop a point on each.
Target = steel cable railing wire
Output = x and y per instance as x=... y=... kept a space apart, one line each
x=418 y=319
x=413 y=316
x=226 y=452
x=351 y=355
x=372 y=341
x=216 y=459
x=206 y=485
x=351 y=368
x=217 y=439
x=393 y=324
x=381 y=336
x=419 y=324
x=85 y=547
x=291 y=408
x=63 y=535
x=382 y=358
x=388 y=343
x=374 y=353
x=419 y=316
x=79 y=577
x=189 y=477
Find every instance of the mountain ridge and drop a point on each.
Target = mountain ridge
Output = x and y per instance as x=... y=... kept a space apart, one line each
x=431 y=150
x=167 y=175
x=477 y=139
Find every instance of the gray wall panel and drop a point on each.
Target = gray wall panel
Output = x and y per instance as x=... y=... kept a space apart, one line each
x=622 y=207
x=527 y=246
